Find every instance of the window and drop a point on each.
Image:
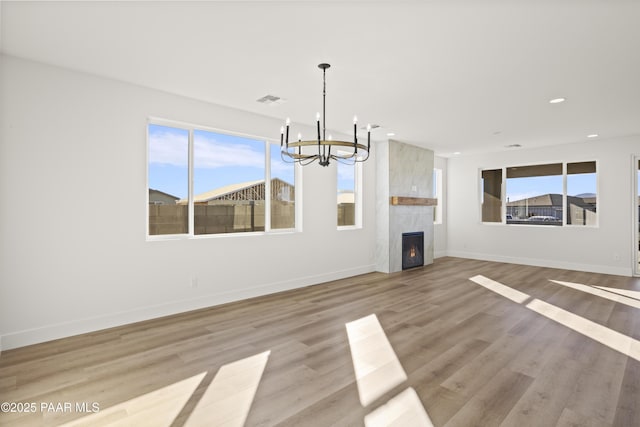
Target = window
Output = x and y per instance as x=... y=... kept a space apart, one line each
x=168 y=177
x=346 y=194
x=534 y=194
x=437 y=194
x=549 y=194
x=491 y=195
x=581 y=193
x=229 y=183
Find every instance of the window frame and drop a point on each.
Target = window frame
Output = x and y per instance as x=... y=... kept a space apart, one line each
x=357 y=196
x=437 y=209
x=269 y=143
x=564 y=194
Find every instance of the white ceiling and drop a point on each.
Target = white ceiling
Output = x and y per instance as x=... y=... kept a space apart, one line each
x=452 y=75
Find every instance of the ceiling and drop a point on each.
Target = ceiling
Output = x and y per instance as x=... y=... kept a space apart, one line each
x=453 y=76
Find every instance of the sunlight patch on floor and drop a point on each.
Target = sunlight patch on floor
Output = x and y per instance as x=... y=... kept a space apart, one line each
x=499 y=288
x=228 y=399
x=625 y=292
x=157 y=408
x=403 y=410
x=613 y=294
x=377 y=368
x=612 y=339
x=602 y=334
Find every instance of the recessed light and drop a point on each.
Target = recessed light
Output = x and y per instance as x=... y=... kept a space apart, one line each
x=557 y=100
x=456 y=153
x=391 y=134
x=593 y=135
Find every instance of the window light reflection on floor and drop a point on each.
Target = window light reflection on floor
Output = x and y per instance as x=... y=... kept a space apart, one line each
x=378 y=370
x=226 y=401
x=159 y=407
x=403 y=410
x=612 y=339
x=376 y=366
x=617 y=295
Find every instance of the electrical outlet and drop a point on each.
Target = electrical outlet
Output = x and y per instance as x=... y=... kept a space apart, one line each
x=616 y=257
x=194 y=282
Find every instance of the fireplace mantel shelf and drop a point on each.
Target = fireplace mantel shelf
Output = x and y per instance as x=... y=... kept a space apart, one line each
x=412 y=201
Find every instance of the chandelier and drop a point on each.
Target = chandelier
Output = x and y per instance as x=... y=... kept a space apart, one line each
x=343 y=151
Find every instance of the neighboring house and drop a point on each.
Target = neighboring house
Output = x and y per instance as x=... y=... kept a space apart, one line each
x=157 y=197
x=252 y=190
x=582 y=208
x=544 y=205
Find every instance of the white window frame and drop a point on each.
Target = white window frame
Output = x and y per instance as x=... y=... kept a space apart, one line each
x=564 y=194
x=269 y=144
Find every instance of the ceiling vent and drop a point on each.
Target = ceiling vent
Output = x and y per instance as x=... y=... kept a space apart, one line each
x=513 y=146
x=271 y=100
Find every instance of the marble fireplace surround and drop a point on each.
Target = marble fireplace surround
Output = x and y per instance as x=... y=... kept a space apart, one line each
x=404 y=172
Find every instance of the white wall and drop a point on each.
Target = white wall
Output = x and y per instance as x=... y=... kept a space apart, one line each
x=70 y=261
x=440 y=229
x=605 y=249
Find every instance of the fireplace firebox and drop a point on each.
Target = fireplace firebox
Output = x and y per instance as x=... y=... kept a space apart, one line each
x=412 y=250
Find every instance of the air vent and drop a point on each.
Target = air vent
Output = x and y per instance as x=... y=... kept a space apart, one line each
x=513 y=146
x=373 y=126
x=271 y=100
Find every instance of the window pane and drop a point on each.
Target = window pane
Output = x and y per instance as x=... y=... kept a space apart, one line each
x=283 y=212
x=581 y=193
x=491 y=195
x=228 y=183
x=437 y=190
x=534 y=194
x=168 y=180
x=346 y=194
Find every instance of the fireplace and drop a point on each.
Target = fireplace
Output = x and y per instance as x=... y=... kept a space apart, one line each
x=412 y=250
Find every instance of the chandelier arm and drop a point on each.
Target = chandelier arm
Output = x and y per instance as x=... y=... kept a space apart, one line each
x=287 y=159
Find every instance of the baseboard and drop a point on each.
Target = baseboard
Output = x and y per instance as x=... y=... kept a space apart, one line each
x=93 y=324
x=440 y=254
x=590 y=268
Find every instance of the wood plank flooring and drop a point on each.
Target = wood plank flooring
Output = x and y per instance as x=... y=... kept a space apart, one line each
x=473 y=356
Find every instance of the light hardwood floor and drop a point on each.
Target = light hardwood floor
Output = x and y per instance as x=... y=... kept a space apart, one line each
x=552 y=355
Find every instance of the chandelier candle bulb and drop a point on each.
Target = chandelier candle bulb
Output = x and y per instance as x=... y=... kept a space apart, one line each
x=287 y=135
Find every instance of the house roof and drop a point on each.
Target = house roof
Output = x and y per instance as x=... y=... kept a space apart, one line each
x=542 y=200
x=163 y=193
x=553 y=200
x=346 y=197
x=227 y=189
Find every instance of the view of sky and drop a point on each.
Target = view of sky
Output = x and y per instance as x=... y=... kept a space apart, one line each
x=219 y=160
x=523 y=188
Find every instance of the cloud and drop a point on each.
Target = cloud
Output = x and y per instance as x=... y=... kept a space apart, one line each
x=171 y=148
x=168 y=148
x=213 y=154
